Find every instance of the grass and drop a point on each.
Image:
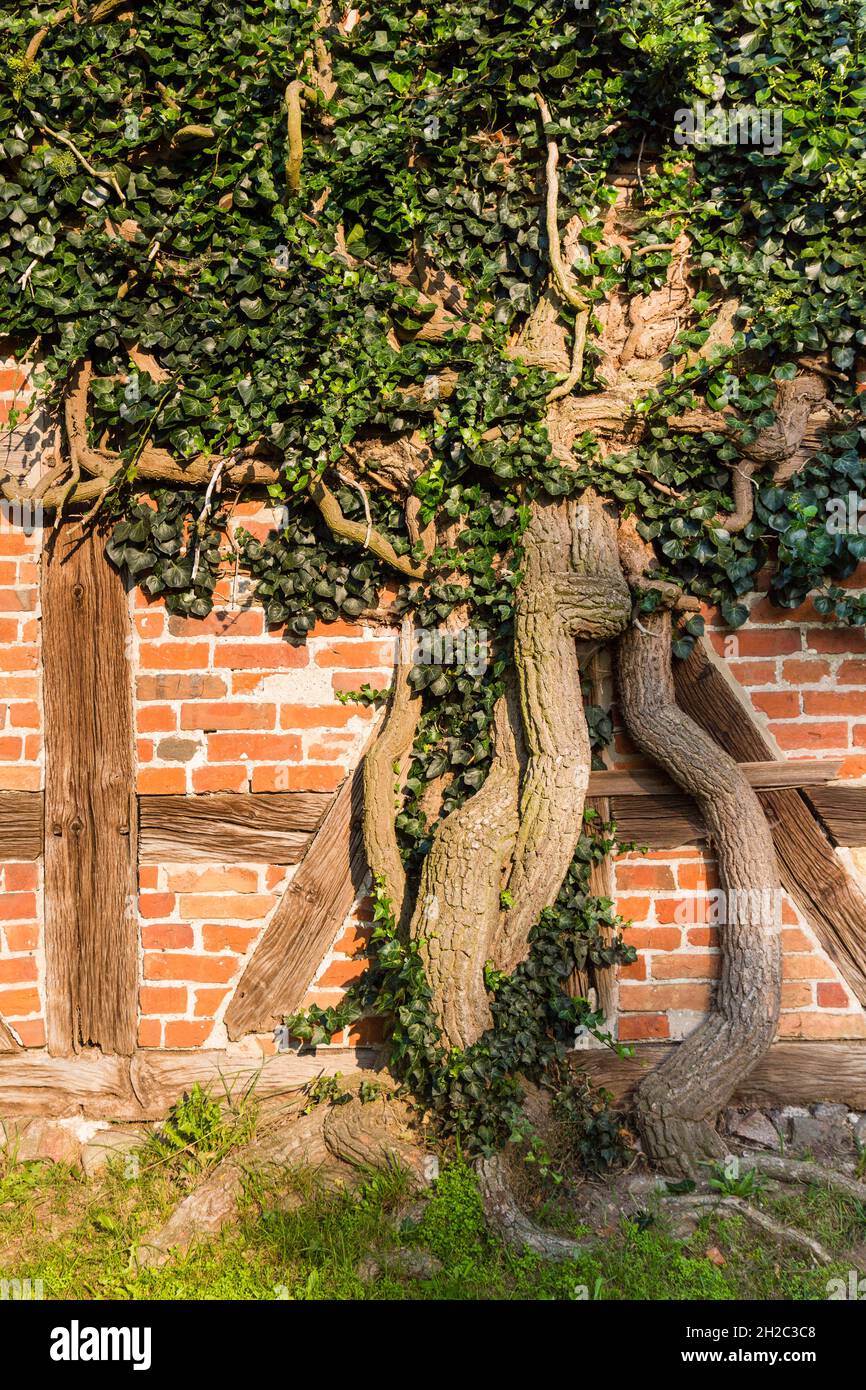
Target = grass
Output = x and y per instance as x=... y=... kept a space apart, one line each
x=79 y=1235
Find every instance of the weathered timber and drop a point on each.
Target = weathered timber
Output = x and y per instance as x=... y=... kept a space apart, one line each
x=809 y=869
x=145 y=1086
x=658 y=822
x=791 y=772
x=20 y=827
x=790 y=1073
x=91 y=931
x=843 y=811
x=307 y=919
x=232 y=827
x=8 y=1041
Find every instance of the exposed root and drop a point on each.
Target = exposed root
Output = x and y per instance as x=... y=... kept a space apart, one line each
x=808 y=1174
x=513 y=1225
x=788 y=1235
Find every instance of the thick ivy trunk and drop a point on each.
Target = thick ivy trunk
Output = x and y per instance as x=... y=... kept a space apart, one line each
x=677 y=1104
x=521 y=828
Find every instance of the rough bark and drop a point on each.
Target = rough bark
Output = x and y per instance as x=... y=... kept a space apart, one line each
x=382 y=766
x=677 y=1103
x=573 y=588
x=457 y=908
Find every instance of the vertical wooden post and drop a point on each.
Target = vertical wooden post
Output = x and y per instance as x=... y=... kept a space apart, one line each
x=91 y=938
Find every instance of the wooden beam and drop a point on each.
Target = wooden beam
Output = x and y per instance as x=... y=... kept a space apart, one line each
x=91 y=930
x=145 y=1086
x=233 y=827
x=790 y=772
x=791 y=1073
x=307 y=919
x=20 y=827
x=842 y=808
x=8 y=1041
x=827 y=895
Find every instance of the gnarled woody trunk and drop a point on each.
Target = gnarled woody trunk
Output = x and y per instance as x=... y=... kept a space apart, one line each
x=677 y=1103
x=521 y=828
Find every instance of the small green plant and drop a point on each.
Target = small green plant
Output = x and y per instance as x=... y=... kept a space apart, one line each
x=200 y=1130
x=731 y=1182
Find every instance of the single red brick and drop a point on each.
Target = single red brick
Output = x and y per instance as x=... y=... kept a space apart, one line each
x=836 y=639
x=834 y=702
x=207 y=1001
x=653 y=938
x=20 y=877
x=222 y=778
x=356 y=655
x=796 y=995
x=238 y=622
x=155 y=719
x=257 y=747
x=662 y=998
x=685 y=965
x=21 y=938
x=160 y=781
x=219 y=936
x=778 y=704
x=31 y=1032
x=17 y=970
x=155 y=904
x=802 y=671
x=209 y=970
x=214 y=879
x=168 y=1000
x=247 y=907
x=187 y=1032
x=176 y=687
x=832 y=996
x=657 y=877
x=150 y=1032
x=322 y=777
x=345 y=682
x=260 y=656
x=18 y=1003
x=17 y=906
x=754 y=672
x=167 y=936
x=815 y=1024
x=226 y=715
x=851 y=673
x=643 y=1028
x=635 y=971
x=173 y=656
x=810 y=736
x=633 y=909
x=764 y=642
x=341 y=973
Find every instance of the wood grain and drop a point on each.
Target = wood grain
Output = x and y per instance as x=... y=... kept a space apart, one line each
x=791 y=772
x=8 y=1042
x=307 y=919
x=20 y=827
x=791 y=1073
x=809 y=870
x=147 y=1085
x=231 y=827
x=91 y=930
x=843 y=810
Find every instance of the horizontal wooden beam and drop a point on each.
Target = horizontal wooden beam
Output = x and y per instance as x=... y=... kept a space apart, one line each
x=842 y=808
x=791 y=1073
x=792 y=772
x=231 y=827
x=21 y=818
x=146 y=1085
